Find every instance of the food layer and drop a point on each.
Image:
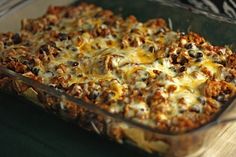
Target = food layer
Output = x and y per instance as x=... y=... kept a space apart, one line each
x=144 y=71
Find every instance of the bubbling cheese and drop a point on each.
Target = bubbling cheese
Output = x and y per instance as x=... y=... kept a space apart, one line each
x=143 y=71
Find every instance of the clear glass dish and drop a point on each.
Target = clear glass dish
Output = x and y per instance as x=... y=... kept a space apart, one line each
x=216 y=29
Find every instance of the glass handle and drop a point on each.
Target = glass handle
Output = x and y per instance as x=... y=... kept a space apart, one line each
x=7 y=5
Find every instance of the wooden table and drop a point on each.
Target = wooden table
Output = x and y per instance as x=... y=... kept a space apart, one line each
x=224 y=144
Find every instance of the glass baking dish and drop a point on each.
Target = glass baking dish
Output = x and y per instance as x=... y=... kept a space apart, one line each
x=216 y=29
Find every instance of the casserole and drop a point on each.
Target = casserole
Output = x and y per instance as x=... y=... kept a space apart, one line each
x=150 y=139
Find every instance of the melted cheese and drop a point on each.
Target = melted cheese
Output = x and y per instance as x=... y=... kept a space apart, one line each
x=211 y=66
x=126 y=61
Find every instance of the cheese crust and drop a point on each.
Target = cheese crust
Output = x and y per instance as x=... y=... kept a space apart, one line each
x=172 y=81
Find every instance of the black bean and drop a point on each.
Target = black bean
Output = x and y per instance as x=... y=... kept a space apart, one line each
x=144 y=79
x=142 y=109
x=229 y=78
x=93 y=95
x=55 y=54
x=97 y=15
x=48 y=28
x=152 y=49
x=182 y=69
x=74 y=49
x=35 y=70
x=108 y=97
x=191 y=53
x=196 y=108
x=199 y=55
x=59 y=87
x=52 y=44
x=16 y=38
x=167 y=54
x=6 y=44
x=74 y=64
x=63 y=27
x=68 y=46
x=133 y=30
x=81 y=31
x=29 y=63
x=182 y=110
x=173 y=69
x=62 y=36
x=227 y=91
x=183 y=61
x=198 y=60
x=222 y=62
x=220 y=98
x=51 y=23
x=68 y=14
x=202 y=100
x=26 y=62
x=174 y=58
x=43 y=48
x=189 y=46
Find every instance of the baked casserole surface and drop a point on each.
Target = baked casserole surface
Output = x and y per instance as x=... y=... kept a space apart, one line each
x=144 y=71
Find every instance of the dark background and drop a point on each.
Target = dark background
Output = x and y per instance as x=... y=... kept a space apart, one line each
x=28 y=131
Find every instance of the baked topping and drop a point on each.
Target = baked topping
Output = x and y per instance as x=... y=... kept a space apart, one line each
x=145 y=71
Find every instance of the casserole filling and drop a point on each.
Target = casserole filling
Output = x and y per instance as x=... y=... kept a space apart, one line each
x=144 y=71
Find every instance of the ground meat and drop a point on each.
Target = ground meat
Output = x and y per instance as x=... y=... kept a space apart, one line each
x=216 y=88
x=121 y=65
x=196 y=38
x=231 y=61
x=55 y=9
x=156 y=23
x=17 y=67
